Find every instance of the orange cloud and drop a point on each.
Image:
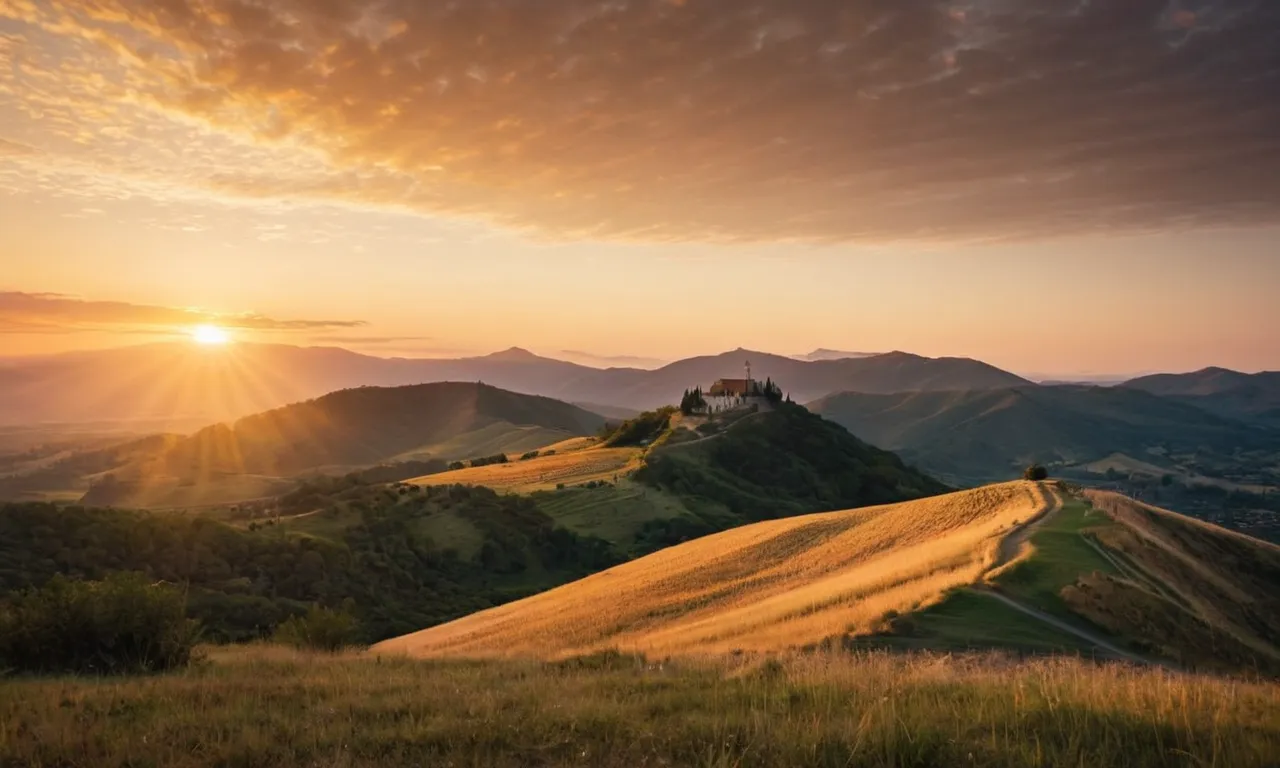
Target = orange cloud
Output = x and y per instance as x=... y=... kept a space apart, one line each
x=824 y=120
x=55 y=313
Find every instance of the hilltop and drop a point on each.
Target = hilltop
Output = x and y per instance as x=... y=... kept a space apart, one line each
x=977 y=436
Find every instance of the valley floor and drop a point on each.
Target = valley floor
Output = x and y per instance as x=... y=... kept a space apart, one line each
x=260 y=706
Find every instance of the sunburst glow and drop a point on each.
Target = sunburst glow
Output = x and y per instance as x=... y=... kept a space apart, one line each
x=210 y=335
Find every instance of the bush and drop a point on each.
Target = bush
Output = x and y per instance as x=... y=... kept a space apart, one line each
x=1036 y=472
x=321 y=629
x=529 y=455
x=122 y=624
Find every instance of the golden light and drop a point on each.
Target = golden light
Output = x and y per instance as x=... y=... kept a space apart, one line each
x=209 y=335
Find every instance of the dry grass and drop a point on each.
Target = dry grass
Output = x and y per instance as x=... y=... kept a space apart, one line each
x=1203 y=595
x=544 y=472
x=273 y=707
x=768 y=586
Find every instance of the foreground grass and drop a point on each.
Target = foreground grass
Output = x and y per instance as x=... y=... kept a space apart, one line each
x=271 y=707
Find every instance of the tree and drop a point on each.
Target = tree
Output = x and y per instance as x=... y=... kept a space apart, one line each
x=1036 y=472
x=692 y=401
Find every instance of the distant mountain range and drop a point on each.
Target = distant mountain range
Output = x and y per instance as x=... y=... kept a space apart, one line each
x=991 y=434
x=181 y=381
x=1219 y=390
x=343 y=431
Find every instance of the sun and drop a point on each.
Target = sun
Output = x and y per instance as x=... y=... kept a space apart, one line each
x=209 y=335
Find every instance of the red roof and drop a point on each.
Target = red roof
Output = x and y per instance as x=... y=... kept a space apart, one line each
x=732 y=388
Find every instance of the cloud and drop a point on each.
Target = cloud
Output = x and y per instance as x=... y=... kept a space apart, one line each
x=56 y=313
x=16 y=149
x=713 y=120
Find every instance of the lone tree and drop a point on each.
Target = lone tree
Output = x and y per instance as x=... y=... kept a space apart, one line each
x=1036 y=472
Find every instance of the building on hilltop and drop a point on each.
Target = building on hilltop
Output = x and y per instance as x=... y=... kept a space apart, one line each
x=728 y=394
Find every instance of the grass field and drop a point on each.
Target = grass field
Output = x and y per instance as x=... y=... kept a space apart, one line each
x=545 y=472
x=768 y=586
x=613 y=513
x=264 y=706
x=970 y=620
x=1060 y=555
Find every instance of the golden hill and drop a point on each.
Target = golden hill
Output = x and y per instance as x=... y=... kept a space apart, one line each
x=767 y=586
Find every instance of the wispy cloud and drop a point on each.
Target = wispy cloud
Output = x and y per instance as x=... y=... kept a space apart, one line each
x=55 y=313
x=821 y=120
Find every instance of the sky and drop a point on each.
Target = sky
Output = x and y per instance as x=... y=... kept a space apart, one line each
x=1058 y=188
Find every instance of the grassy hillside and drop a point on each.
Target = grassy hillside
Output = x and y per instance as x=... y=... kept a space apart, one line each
x=268 y=706
x=1018 y=566
x=769 y=586
x=977 y=436
x=1183 y=589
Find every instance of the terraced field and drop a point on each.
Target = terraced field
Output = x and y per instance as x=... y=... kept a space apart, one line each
x=767 y=586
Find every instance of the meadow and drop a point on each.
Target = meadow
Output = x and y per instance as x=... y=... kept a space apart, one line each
x=268 y=706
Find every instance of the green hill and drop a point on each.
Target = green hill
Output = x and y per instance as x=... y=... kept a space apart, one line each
x=781 y=463
x=981 y=436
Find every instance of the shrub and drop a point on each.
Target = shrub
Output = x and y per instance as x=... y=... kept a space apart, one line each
x=122 y=624
x=321 y=629
x=529 y=455
x=1036 y=472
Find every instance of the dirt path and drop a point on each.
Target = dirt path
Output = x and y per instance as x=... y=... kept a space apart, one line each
x=1012 y=544
x=1011 y=548
x=1056 y=623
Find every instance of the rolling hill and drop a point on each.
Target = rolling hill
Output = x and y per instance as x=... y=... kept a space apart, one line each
x=1016 y=565
x=181 y=381
x=768 y=586
x=977 y=436
x=259 y=455
x=1254 y=397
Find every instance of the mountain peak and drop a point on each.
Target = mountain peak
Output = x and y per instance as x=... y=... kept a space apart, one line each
x=513 y=355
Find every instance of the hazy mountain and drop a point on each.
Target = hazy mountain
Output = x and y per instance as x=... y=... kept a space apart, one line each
x=184 y=381
x=986 y=435
x=369 y=425
x=344 y=430
x=831 y=354
x=1253 y=396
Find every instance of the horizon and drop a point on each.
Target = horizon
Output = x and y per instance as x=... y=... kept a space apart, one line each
x=587 y=360
x=1099 y=194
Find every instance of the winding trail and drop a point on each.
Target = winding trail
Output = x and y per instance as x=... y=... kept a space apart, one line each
x=1011 y=548
x=1056 y=623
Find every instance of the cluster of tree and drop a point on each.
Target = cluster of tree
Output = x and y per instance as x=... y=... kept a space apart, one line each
x=126 y=623
x=242 y=584
x=529 y=455
x=1035 y=472
x=692 y=401
x=771 y=391
x=639 y=430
